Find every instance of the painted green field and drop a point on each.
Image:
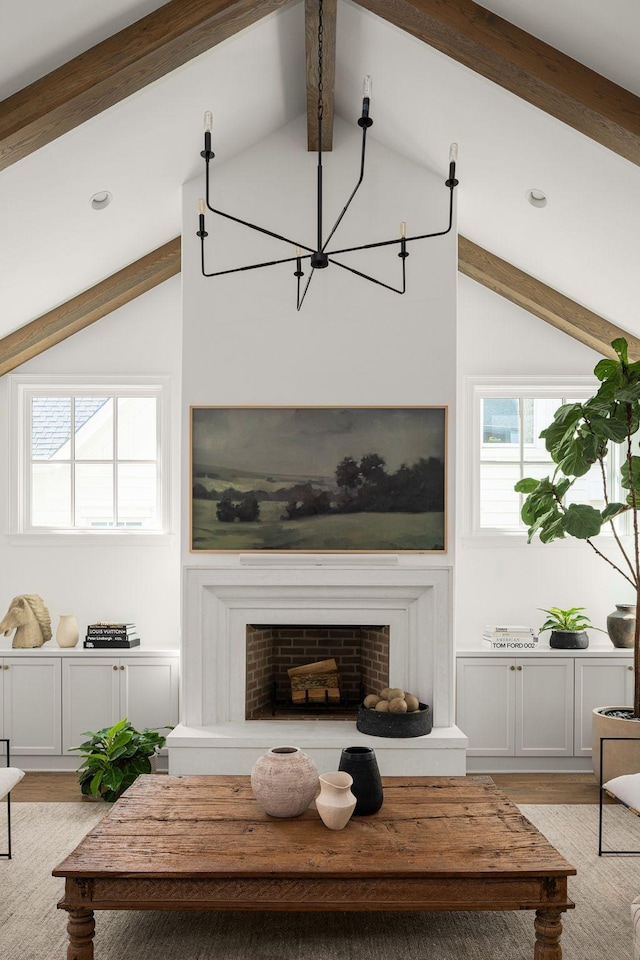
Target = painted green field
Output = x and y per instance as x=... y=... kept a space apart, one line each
x=354 y=531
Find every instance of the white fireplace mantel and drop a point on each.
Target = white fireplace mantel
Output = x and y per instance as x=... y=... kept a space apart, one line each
x=219 y=602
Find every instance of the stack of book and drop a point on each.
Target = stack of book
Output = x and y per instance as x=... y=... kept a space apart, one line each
x=111 y=636
x=497 y=637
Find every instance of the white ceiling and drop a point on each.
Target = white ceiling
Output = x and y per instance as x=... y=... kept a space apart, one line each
x=585 y=243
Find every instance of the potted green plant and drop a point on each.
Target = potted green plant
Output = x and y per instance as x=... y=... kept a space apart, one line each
x=568 y=628
x=578 y=438
x=115 y=756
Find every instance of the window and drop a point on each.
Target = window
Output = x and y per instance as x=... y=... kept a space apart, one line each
x=90 y=457
x=507 y=418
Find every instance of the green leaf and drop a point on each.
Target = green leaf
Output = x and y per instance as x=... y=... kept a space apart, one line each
x=605 y=369
x=568 y=413
x=608 y=429
x=582 y=521
x=613 y=510
x=621 y=347
x=552 y=531
x=635 y=474
x=526 y=485
x=628 y=393
x=94 y=786
x=574 y=464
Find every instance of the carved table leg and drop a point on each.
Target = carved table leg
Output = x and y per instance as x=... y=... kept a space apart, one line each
x=80 y=927
x=548 y=931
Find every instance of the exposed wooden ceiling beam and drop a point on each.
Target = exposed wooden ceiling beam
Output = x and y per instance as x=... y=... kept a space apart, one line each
x=540 y=300
x=524 y=65
x=118 y=67
x=63 y=321
x=328 y=70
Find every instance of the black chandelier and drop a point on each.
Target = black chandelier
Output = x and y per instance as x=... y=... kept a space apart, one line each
x=320 y=257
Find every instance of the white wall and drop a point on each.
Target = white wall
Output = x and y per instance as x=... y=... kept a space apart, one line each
x=508 y=583
x=93 y=577
x=353 y=343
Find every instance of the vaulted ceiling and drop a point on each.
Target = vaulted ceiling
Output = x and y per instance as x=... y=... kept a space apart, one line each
x=141 y=140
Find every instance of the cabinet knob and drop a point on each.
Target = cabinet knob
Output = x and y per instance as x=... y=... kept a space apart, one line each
x=519 y=667
x=121 y=667
x=6 y=666
x=115 y=667
x=629 y=668
x=512 y=667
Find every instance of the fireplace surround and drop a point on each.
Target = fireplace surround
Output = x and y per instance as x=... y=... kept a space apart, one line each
x=221 y=600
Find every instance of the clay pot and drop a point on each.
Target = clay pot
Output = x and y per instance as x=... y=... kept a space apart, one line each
x=620 y=757
x=335 y=802
x=284 y=781
x=621 y=625
x=67 y=633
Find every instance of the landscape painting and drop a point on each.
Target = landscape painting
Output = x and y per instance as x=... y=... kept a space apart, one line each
x=318 y=479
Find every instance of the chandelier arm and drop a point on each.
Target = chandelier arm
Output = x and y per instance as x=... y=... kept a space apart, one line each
x=245 y=223
x=251 y=266
x=355 y=190
x=387 y=243
x=365 y=276
x=306 y=287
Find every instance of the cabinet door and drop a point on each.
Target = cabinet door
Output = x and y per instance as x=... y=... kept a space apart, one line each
x=544 y=707
x=31 y=708
x=599 y=682
x=91 y=698
x=149 y=691
x=485 y=705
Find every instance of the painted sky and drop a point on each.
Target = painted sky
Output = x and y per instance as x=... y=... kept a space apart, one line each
x=313 y=440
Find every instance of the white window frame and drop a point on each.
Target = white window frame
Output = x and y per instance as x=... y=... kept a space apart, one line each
x=480 y=388
x=22 y=390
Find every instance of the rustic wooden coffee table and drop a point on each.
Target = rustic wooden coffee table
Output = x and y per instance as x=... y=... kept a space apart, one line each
x=202 y=843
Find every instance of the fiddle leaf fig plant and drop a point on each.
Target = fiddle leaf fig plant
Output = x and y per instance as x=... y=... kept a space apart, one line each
x=578 y=438
x=114 y=757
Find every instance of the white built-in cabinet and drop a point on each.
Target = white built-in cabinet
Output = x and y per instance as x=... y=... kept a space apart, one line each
x=48 y=702
x=30 y=712
x=537 y=705
x=98 y=692
x=516 y=707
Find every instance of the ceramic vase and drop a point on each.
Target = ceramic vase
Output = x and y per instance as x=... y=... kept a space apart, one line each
x=362 y=765
x=621 y=625
x=67 y=633
x=335 y=802
x=284 y=781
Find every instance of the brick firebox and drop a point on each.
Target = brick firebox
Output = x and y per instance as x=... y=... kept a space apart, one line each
x=361 y=653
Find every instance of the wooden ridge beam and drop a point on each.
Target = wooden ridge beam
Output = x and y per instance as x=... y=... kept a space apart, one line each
x=524 y=65
x=81 y=311
x=328 y=70
x=542 y=301
x=119 y=66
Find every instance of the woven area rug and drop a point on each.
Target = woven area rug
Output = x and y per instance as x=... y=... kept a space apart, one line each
x=31 y=928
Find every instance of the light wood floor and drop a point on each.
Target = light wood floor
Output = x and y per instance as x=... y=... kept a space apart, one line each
x=520 y=787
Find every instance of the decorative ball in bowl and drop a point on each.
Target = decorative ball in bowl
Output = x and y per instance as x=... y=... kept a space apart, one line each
x=393 y=713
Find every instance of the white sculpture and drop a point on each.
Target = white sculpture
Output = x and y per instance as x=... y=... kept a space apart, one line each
x=29 y=617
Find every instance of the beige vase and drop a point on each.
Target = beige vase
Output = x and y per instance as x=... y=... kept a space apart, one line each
x=620 y=757
x=284 y=781
x=335 y=802
x=67 y=634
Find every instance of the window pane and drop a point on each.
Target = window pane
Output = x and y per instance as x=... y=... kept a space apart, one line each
x=588 y=489
x=137 y=428
x=537 y=415
x=94 y=428
x=50 y=428
x=137 y=495
x=500 y=421
x=94 y=495
x=50 y=494
x=499 y=503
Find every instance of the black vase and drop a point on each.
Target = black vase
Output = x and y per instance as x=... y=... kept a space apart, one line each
x=361 y=763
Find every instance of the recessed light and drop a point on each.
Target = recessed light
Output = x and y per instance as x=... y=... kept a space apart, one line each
x=537 y=198
x=101 y=200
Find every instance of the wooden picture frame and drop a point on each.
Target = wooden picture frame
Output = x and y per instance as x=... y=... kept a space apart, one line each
x=318 y=479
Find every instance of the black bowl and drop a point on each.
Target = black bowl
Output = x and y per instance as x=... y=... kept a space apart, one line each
x=378 y=724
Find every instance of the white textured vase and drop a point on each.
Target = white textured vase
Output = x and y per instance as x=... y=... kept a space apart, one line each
x=67 y=633
x=284 y=781
x=335 y=802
